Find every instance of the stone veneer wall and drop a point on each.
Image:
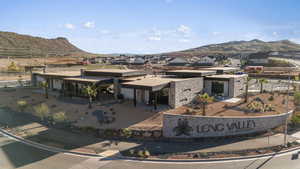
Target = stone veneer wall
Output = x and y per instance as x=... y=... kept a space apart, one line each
x=183 y=92
x=193 y=126
x=237 y=86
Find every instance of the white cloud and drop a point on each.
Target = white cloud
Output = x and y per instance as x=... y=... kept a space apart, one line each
x=275 y=33
x=89 y=24
x=69 y=26
x=105 y=32
x=154 y=38
x=296 y=40
x=216 y=33
x=155 y=35
x=184 y=29
x=184 y=40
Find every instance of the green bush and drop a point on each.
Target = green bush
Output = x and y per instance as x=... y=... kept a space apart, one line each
x=59 y=117
x=297 y=98
x=42 y=111
x=295 y=119
x=271 y=98
x=126 y=132
x=88 y=129
x=13 y=67
x=22 y=105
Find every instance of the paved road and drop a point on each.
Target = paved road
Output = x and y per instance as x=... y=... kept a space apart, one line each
x=17 y=155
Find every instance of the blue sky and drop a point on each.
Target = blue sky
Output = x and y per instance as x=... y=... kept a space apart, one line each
x=152 y=26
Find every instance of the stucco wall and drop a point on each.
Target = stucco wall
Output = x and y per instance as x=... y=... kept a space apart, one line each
x=189 y=126
x=183 y=92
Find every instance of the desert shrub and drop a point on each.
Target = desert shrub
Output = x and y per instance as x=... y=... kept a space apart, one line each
x=108 y=133
x=42 y=111
x=143 y=153
x=22 y=105
x=126 y=132
x=297 y=98
x=13 y=67
x=295 y=119
x=59 y=117
x=88 y=129
x=271 y=98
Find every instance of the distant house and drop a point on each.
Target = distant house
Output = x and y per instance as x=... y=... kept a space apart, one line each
x=258 y=59
x=119 y=62
x=205 y=61
x=138 y=61
x=178 y=61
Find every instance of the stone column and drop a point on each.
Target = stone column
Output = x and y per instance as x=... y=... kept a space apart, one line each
x=116 y=87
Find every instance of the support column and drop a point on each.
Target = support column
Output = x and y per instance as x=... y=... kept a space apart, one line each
x=76 y=89
x=155 y=100
x=116 y=87
x=134 y=97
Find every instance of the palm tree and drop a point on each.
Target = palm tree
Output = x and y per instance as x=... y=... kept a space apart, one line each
x=91 y=91
x=45 y=85
x=247 y=87
x=262 y=82
x=204 y=99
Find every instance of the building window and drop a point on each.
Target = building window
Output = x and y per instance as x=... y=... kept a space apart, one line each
x=217 y=88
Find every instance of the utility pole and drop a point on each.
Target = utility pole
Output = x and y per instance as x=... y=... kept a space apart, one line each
x=287 y=111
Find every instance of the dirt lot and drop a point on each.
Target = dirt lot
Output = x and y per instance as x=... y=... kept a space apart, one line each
x=4 y=62
x=240 y=108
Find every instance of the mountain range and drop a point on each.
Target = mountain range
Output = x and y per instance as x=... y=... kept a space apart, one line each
x=18 y=45
x=239 y=47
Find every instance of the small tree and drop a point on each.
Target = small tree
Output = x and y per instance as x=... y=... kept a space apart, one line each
x=13 y=67
x=297 y=98
x=262 y=82
x=59 y=117
x=247 y=87
x=22 y=105
x=45 y=85
x=42 y=111
x=91 y=91
x=204 y=99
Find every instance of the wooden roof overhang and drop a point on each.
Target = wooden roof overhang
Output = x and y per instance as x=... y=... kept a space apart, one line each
x=191 y=73
x=87 y=80
x=114 y=73
x=149 y=87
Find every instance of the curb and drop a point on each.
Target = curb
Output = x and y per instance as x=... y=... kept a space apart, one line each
x=121 y=157
x=45 y=147
x=212 y=159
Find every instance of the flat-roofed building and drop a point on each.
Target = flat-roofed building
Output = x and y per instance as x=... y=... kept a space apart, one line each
x=72 y=83
x=222 y=70
x=54 y=79
x=191 y=73
x=225 y=85
x=172 y=91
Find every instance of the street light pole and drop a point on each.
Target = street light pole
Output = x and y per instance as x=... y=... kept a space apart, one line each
x=287 y=111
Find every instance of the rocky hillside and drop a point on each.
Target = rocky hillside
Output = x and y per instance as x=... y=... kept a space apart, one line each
x=239 y=47
x=17 y=45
